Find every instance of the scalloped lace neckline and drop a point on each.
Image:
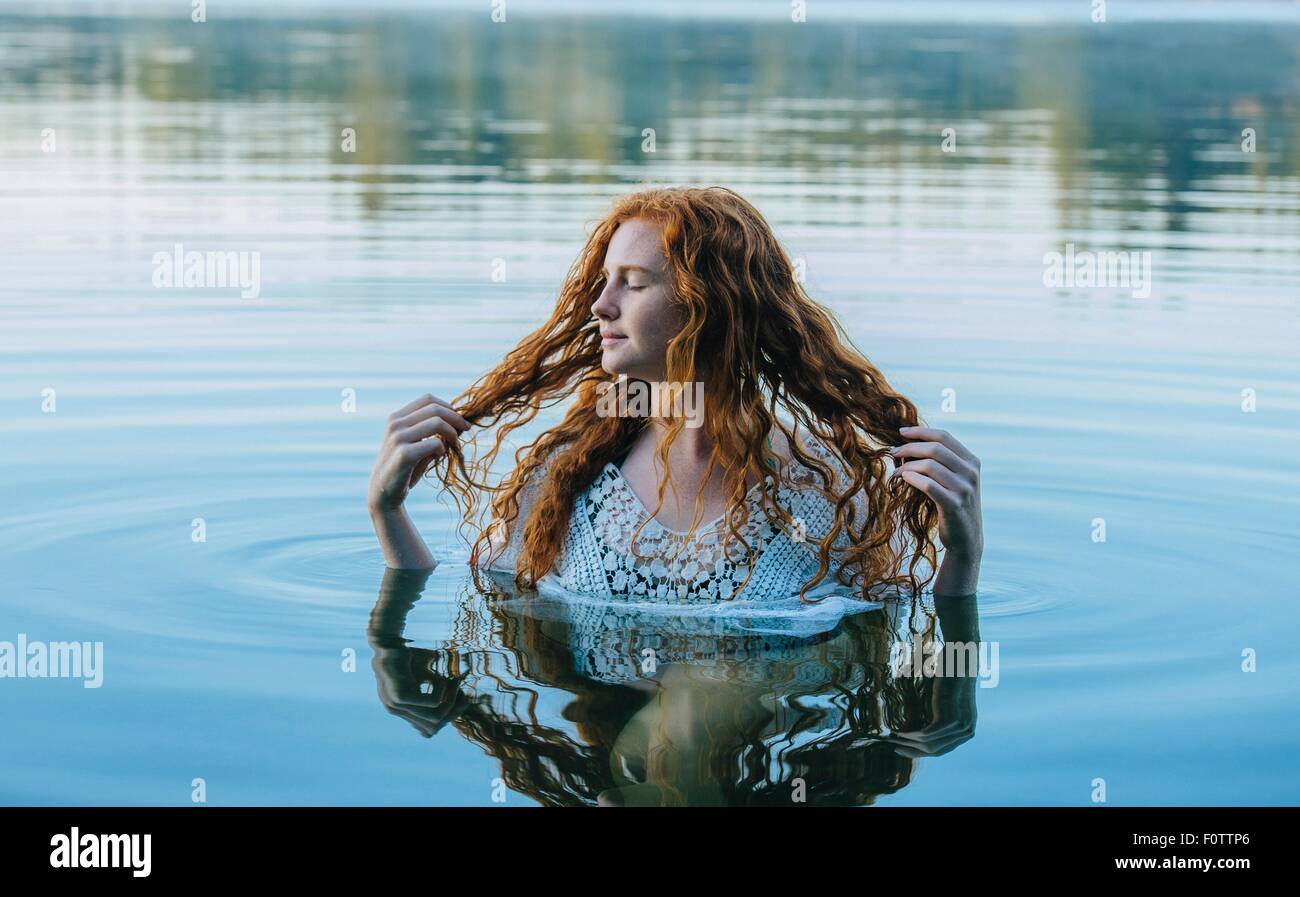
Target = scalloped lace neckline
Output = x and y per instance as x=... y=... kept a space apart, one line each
x=701 y=529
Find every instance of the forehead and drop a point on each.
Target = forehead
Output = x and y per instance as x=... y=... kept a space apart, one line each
x=636 y=242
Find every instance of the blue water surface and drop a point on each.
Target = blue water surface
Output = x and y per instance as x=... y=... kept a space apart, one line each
x=1172 y=417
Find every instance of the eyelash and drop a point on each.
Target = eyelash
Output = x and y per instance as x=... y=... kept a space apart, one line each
x=629 y=286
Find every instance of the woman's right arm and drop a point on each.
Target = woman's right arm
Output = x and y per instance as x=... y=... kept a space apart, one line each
x=417 y=436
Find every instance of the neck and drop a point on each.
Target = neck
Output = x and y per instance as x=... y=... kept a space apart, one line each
x=691 y=443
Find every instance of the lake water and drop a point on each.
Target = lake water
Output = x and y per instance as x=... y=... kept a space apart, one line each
x=135 y=419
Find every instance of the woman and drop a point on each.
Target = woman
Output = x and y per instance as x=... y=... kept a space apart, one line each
x=688 y=287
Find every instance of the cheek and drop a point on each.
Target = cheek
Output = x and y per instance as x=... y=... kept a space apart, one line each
x=663 y=320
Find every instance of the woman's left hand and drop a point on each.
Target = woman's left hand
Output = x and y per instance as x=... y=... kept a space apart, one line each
x=949 y=474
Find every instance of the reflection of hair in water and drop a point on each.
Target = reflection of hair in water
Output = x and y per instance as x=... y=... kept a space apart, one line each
x=824 y=731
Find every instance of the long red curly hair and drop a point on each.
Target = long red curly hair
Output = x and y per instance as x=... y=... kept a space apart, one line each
x=758 y=343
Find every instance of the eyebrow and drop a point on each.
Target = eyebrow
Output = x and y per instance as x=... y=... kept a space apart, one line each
x=628 y=268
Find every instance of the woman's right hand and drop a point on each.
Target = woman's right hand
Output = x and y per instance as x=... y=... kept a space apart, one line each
x=417 y=436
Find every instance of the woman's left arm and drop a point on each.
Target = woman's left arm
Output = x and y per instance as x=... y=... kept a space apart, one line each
x=949 y=474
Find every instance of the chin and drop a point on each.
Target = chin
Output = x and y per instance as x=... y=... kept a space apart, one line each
x=619 y=362
x=614 y=365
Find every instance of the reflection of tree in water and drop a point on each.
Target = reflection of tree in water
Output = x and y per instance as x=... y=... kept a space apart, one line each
x=740 y=728
x=1147 y=103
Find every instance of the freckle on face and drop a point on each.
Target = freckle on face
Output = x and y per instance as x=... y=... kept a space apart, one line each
x=645 y=316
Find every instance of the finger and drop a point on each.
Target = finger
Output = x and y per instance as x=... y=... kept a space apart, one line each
x=910 y=750
x=933 y=434
x=420 y=701
x=434 y=426
x=928 y=738
x=920 y=753
x=930 y=734
x=936 y=450
x=435 y=717
x=417 y=472
x=932 y=490
x=429 y=411
x=411 y=406
x=421 y=726
x=452 y=414
x=944 y=743
x=937 y=472
x=432 y=448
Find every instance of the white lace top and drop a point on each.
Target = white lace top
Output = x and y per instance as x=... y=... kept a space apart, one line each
x=598 y=560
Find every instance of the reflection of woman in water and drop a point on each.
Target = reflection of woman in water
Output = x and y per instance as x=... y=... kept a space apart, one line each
x=785 y=457
x=779 y=721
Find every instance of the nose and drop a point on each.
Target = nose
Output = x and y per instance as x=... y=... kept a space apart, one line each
x=604 y=306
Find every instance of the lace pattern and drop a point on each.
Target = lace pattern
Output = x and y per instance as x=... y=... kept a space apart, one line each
x=601 y=559
x=659 y=563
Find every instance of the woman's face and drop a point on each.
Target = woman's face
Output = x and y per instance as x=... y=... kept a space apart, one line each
x=635 y=309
